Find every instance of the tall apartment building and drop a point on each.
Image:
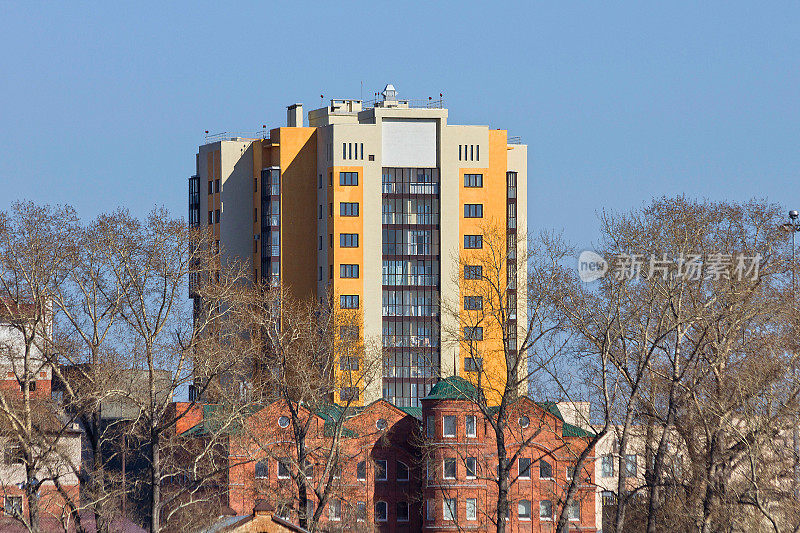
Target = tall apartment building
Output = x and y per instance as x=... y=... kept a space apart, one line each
x=373 y=203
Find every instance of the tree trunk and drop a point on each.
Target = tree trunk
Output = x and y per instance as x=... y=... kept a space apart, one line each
x=619 y=518
x=502 y=482
x=31 y=490
x=155 y=482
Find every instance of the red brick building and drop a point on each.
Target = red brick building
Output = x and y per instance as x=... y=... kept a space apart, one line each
x=431 y=468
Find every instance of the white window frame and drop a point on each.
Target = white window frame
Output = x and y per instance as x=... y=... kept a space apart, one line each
x=551 y=510
x=385 y=470
x=449 y=509
x=519 y=468
x=385 y=514
x=444 y=426
x=335 y=510
x=408 y=512
x=530 y=511
x=474 y=515
x=444 y=468
x=468 y=476
x=574 y=504
x=283 y=461
x=474 y=432
x=408 y=472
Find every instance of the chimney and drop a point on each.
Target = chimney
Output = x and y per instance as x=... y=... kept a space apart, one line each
x=294 y=116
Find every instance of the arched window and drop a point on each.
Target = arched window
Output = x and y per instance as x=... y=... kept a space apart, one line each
x=361 y=470
x=262 y=470
x=402 y=471
x=524 y=509
x=381 y=512
x=545 y=470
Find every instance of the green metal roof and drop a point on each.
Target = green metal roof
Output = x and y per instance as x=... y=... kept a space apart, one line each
x=416 y=412
x=569 y=430
x=452 y=388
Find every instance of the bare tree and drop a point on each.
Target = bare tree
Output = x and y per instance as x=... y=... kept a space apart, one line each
x=508 y=327
x=36 y=244
x=306 y=353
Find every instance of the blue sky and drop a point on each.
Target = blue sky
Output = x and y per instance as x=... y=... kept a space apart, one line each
x=104 y=104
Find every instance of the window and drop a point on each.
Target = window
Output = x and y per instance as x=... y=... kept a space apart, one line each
x=381 y=512
x=449 y=426
x=344 y=150
x=430 y=509
x=473 y=303
x=348 y=209
x=13 y=505
x=473 y=242
x=607 y=466
x=320 y=268
x=283 y=468
x=308 y=469
x=471 y=465
x=630 y=465
x=319 y=184
x=472 y=508
x=381 y=424
x=211 y=217
x=361 y=511
x=469 y=425
x=570 y=472
x=255 y=215
x=545 y=470
x=330 y=210
x=361 y=470
x=348 y=301
x=471 y=151
x=524 y=467
x=524 y=421
x=473 y=180
x=449 y=509
x=477 y=152
x=546 y=510
x=348 y=240
x=524 y=509
x=216 y=185
x=473 y=271
x=348 y=178
x=262 y=470
x=12 y=454
x=473 y=364
x=459 y=152
x=402 y=471
x=348 y=271
x=431 y=425
x=449 y=468
x=216 y=216
x=402 y=511
x=474 y=333
x=380 y=470
x=348 y=363
x=574 y=510
x=335 y=510
x=319 y=213
x=349 y=394
x=210 y=186
x=473 y=210
x=362 y=151
x=349 y=333
x=283 y=421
